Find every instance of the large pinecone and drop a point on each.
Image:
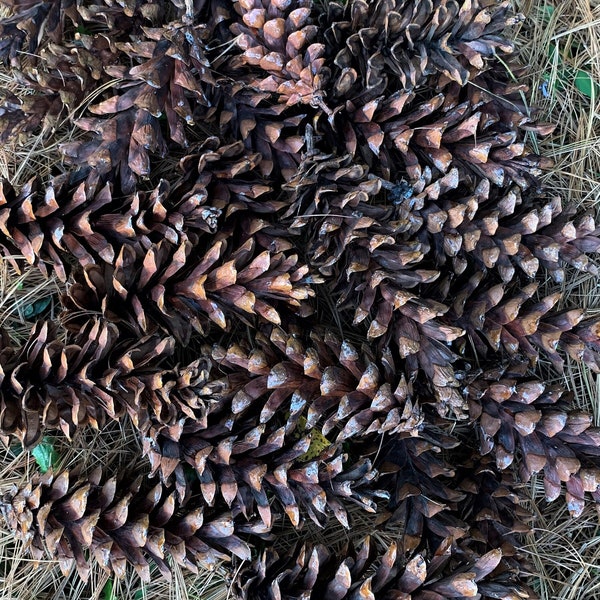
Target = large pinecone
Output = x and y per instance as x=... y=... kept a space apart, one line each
x=52 y=384
x=521 y=417
x=182 y=288
x=91 y=221
x=67 y=517
x=151 y=67
x=396 y=44
x=314 y=572
x=257 y=423
x=169 y=78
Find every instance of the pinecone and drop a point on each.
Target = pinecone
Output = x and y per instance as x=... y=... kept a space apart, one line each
x=508 y=321
x=391 y=44
x=467 y=128
x=507 y=231
x=493 y=508
x=170 y=75
x=181 y=288
x=92 y=222
x=48 y=384
x=365 y=574
x=69 y=517
x=364 y=236
x=63 y=68
x=267 y=413
x=169 y=79
x=278 y=69
x=521 y=416
x=229 y=176
x=263 y=127
x=277 y=39
x=424 y=500
x=387 y=54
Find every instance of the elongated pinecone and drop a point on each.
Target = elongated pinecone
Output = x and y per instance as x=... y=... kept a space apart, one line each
x=365 y=574
x=506 y=231
x=394 y=44
x=277 y=39
x=48 y=384
x=63 y=68
x=183 y=288
x=522 y=418
x=279 y=68
x=91 y=221
x=69 y=518
x=493 y=508
x=169 y=79
x=152 y=68
x=423 y=139
x=422 y=498
x=258 y=423
x=506 y=319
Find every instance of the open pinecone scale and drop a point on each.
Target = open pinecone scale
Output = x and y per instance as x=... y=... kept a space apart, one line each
x=301 y=247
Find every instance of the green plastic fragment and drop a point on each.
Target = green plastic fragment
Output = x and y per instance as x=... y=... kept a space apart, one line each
x=38 y=307
x=548 y=11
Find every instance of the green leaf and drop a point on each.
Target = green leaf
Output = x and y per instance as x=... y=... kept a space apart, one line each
x=553 y=52
x=107 y=591
x=547 y=12
x=585 y=84
x=45 y=455
x=139 y=595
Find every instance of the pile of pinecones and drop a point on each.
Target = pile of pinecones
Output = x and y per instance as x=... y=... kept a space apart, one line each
x=330 y=209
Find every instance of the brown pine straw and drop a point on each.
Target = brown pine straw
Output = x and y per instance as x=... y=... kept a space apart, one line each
x=565 y=552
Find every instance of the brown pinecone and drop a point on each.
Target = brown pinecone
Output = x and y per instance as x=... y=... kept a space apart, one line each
x=371 y=572
x=71 y=518
x=181 y=288
x=277 y=40
x=392 y=44
x=367 y=236
x=60 y=67
x=519 y=416
x=493 y=508
x=151 y=67
x=381 y=51
x=507 y=320
x=267 y=413
x=264 y=127
x=85 y=381
x=467 y=129
x=278 y=70
x=423 y=498
x=91 y=221
x=229 y=177
x=508 y=231
x=169 y=78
